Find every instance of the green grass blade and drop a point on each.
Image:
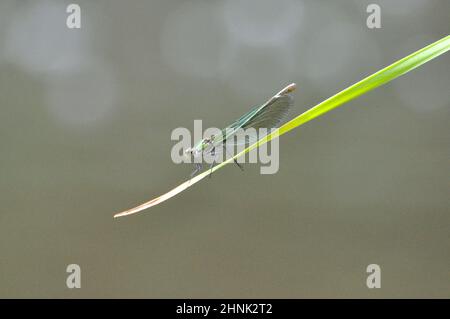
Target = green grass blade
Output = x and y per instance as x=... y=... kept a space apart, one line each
x=369 y=83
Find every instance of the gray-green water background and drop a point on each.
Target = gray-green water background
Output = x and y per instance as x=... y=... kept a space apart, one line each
x=86 y=117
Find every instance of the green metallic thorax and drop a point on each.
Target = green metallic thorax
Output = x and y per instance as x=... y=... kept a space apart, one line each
x=228 y=131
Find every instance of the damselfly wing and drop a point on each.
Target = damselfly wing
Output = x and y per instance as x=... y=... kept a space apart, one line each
x=269 y=116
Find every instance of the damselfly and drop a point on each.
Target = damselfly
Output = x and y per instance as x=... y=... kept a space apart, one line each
x=269 y=115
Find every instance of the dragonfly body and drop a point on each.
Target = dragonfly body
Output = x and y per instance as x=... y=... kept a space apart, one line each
x=269 y=115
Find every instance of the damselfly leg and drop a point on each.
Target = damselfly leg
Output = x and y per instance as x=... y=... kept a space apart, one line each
x=213 y=153
x=239 y=165
x=235 y=161
x=197 y=168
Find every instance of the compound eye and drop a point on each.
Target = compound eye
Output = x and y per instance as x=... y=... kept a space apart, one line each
x=209 y=140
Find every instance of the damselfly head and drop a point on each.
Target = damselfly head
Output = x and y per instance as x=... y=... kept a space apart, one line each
x=191 y=152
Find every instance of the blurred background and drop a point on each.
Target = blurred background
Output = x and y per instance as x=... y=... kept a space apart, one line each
x=86 y=116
